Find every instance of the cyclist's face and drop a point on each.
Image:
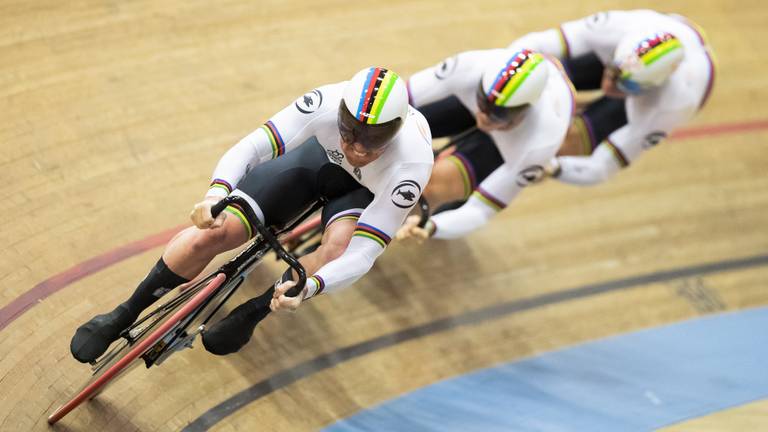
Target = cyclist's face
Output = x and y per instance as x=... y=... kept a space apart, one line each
x=488 y=123
x=358 y=156
x=609 y=85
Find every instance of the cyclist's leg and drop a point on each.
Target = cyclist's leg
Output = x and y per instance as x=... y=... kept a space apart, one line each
x=588 y=129
x=190 y=251
x=346 y=200
x=456 y=176
x=447 y=117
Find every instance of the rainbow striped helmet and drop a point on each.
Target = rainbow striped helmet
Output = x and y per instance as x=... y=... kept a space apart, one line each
x=373 y=108
x=646 y=59
x=516 y=78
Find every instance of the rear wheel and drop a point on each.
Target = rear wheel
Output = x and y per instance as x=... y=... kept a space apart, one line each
x=146 y=333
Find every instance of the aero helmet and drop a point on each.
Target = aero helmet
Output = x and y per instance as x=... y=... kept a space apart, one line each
x=646 y=59
x=513 y=80
x=373 y=108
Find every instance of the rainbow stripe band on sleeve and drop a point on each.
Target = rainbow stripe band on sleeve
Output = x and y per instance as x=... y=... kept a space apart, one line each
x=222 y=184
x=238 y=212
x=320 y=284
x=488 y=199
x=373 y=233
x=278 y=145
x=620 y=158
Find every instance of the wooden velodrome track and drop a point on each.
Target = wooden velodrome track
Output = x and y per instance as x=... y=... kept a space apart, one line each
x=114 y=114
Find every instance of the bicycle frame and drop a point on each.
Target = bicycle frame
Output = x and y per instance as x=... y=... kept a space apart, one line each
x=165 y=329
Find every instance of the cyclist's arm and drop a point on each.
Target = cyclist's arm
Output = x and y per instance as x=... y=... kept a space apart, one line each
x=489 y=198
x=443 y=80
x=620 y=149
x=376 y=226
x=550 y=42
x=282 y=133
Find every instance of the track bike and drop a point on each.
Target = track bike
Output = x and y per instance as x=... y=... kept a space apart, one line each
x=174 y=325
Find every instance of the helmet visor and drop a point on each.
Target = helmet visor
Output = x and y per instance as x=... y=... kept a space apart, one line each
x=622 y=80
x=497 y=114
x=370 y=136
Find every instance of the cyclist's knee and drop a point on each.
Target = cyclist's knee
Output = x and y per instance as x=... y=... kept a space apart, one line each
x=331 y=251
x=217 y=240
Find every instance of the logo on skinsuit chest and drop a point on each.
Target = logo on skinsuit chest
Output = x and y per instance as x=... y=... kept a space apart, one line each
x=335 y=156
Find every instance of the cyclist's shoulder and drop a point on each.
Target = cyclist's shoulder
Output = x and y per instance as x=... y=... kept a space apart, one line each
x=320 y=100
x=413 y=144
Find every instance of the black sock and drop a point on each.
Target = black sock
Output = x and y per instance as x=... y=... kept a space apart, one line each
x=158 y=282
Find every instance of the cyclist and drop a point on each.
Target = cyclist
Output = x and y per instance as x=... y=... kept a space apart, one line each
x=357 y=144
x=655 y=71
x=508 y=111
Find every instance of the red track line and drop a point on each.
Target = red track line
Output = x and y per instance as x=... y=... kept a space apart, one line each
x=86 y=268
x=57 y=282
x=720 y=129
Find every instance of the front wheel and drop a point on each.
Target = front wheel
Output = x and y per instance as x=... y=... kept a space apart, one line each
x=131 y=352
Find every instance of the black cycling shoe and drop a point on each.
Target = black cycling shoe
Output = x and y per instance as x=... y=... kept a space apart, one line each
x=235 y=330
x=93 y=338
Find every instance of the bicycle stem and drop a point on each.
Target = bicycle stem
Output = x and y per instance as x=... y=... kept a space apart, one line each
x=267 y=235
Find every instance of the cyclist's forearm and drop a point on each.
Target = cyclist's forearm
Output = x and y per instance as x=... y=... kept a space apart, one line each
x=250 y=151
x=588 y=170
x=460 y=222
x=356 y=260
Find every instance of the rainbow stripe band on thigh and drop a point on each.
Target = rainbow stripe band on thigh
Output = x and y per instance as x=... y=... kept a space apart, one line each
x=278 y=145
x=352 y=215
x=620 y=158
x=466 y=171
x=238 y=212
x=372 y=233
x=587 y=135
x=564 y=43
x=489 y=200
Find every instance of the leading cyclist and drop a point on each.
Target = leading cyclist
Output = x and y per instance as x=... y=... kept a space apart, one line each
x=356 y=144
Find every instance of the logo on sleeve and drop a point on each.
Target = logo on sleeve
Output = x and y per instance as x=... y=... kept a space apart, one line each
x=446 y=68
x=310 y=102
x=653 y=138
x=404 y=195
x=528 y=176
x=597 y=20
